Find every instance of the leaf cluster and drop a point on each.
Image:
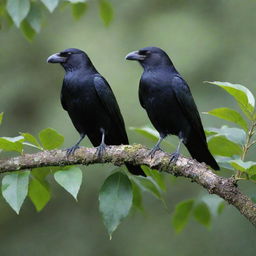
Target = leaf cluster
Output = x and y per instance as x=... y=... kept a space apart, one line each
x=29 y=15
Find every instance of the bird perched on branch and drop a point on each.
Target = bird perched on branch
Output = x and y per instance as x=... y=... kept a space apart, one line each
x=170 y=106
x=90 y=103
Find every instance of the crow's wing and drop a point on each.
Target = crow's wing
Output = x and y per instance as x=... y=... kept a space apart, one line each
x=187 y=105
x=108 y=100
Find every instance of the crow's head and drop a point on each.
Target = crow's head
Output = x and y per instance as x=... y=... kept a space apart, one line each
x=150 y=57
x=70 y=59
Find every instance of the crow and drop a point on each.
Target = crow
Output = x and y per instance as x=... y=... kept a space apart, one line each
x=166 y=97
x=90 y=103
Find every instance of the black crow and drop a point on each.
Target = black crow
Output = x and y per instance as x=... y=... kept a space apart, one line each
x=90 y=103
x=169 y=104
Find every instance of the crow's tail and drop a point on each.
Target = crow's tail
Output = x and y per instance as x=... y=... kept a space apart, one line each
x=135 y=169
x=198 y=149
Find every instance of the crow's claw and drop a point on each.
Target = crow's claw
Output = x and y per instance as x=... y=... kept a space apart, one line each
x=153 y=151
x=174 y=157
x=101 y=149
x=71 y=151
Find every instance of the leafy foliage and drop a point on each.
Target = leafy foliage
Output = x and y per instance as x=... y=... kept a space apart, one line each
x=50 y=139
x=121 y=192
x=115 y=200
x=181 y=214
x=15 y=189
x=106 y=12
x=28 y=15
x=70 y=179
x=237 y=141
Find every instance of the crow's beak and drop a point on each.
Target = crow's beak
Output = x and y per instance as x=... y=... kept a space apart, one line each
x=56 y=58
x=135 y=56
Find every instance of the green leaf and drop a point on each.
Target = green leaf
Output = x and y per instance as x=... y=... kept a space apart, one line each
x=76 y=1
x=34 y=17
x=15 y=189
x=235 y=135
x=70 y=179
x=106 y=11
x=220 y=145
x=14 y=139
x=11 y=144
x=18 y=10
x=158 y=177
x=253 y=198
x=137 y=197
x=50 y=139
x=242 y=95
x=39 y=193
x=78 y=10
x=1 y=117
x=213 y=203
x=27 y=30
x=229 y=115
x=148 y=184
x=147 y=132
x=31 y=139
x=181 y=214
x=202 y=214
x=242 y=166
x=221 y=207
x=41 y=172
x=224 y=162
x=50 y=4
x=115 y=200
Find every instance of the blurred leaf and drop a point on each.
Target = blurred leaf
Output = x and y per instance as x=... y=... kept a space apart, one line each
x=253 y=177
x=146 y=132
x=229 y=115
x=31 y=139
x=78 y=10
x=202 y=214
x=34 y=17
x=235 y=135
x=70 y=179
x=39 y=193
x=50 y=4
x=181 y=214
x=221 y=207
x=15 y=190
x=18 y=10
x=11 y=144
x=77 y=1
x=242 y=95
x=1 y=117
x=41 y=172
x=253 y=198
x=50 y=138
x=220 y=145
x=213 y=202
x=115 y=200
x=158 y=177
x=27 y=30
x=106 y=11
x=137 y=197
x=14 y=139
x=224 y=162
x=147 y=184
x=240 y=165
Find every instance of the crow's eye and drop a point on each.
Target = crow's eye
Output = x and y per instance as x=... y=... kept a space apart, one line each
x=143 y=52
x=65 y=54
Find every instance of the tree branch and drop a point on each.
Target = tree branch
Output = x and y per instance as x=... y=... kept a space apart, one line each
x=226 y=188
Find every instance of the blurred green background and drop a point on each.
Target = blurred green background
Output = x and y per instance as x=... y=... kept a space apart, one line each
x=207 y=40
